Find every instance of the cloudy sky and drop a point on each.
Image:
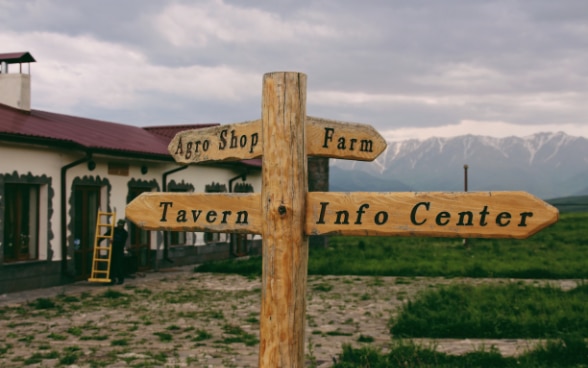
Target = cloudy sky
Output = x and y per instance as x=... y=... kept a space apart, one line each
x=410 y=68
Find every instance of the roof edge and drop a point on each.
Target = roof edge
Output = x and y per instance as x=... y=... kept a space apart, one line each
x=17 y=57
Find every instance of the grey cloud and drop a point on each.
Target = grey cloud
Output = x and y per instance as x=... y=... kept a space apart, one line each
x=501 y=54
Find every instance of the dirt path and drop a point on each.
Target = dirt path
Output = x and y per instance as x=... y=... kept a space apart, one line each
x=183 y=319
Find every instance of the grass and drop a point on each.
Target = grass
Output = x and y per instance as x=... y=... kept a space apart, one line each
x=557 y=252
x=514 y=310
x=202 y=335
x=570 y=204
x=565 y=352
x=145 y=318
x=236 y=334
x=110 y=323
x=164 y=336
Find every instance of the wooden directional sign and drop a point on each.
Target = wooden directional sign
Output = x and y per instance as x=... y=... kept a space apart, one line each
x=325 y=138
x=349 y=141
x=481 y=215
x=285 y=213
x=212 y=212
x=434 y=214
x=224 y=142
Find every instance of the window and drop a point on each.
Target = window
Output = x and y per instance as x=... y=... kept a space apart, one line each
x=177 y=238
x=21 y=222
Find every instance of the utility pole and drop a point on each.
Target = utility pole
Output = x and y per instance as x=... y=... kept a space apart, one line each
x=465 y=189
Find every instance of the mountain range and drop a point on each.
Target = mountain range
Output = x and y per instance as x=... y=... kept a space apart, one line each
x=548 y=165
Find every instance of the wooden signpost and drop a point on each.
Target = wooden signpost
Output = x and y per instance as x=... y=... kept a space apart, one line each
x=285 y=213
x=328 y=138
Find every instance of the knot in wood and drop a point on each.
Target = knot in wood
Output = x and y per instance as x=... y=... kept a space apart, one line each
x=282 y=210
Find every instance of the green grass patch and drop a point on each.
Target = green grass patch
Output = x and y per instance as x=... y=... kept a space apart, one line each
x=202 y=335
x=56 y=336
x=365 y=339
x=120 y=342
x=112 y=294
x=323 y=286
x=68 y=298
x=164 y=336
x=513 y=310
x=338 y=333
x=37 y=358
x=557 y=252
x=70 y=357
x=235 y=334
x=76 y=331
x=43 y=303
x=94 y=338
x=562 y=353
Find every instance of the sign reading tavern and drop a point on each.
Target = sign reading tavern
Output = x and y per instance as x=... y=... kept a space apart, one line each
x=285 y=213
x=197 y=212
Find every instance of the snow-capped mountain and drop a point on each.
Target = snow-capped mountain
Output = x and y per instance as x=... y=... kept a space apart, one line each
x=548 y=165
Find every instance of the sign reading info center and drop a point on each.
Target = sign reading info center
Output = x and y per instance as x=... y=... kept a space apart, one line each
x=438 y=214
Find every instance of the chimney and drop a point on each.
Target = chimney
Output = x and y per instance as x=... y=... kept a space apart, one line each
x=15 y=88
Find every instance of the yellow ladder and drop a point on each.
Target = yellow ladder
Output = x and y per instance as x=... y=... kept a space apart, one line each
x=102 y=252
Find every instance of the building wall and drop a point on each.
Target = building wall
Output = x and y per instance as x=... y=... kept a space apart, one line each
x=114 y=175
x=38 y=164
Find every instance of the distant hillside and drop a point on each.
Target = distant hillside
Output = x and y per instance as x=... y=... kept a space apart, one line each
x=347 y=181
x=548 y=165
x=570 y=204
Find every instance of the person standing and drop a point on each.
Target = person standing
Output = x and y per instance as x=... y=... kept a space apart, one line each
x=119 y=240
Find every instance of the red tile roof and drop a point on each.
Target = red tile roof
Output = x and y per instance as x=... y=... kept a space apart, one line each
x=81 y=133
x=170 y=131
x=91 y=135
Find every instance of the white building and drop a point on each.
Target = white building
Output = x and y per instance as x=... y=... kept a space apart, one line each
x=57 y=171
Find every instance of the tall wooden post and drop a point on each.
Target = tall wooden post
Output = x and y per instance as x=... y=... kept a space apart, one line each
x=283 y=201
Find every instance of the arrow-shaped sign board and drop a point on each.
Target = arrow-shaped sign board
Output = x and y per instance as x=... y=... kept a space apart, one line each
x=325 y=138
x=212 y=212
x=349 y=141
x=434 y=214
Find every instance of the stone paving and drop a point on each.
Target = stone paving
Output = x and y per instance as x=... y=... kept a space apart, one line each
x=340 y=310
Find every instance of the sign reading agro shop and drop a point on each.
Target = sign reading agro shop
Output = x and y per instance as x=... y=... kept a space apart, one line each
x=285 y=213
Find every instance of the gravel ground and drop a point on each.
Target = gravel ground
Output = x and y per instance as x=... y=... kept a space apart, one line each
x=178 y=318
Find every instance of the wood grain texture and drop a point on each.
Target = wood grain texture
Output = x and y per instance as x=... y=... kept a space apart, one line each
x=212 y=212
x=229 y=142
x=283 y=197
x=239 y=141
x=435 y=214
x=348 y=141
